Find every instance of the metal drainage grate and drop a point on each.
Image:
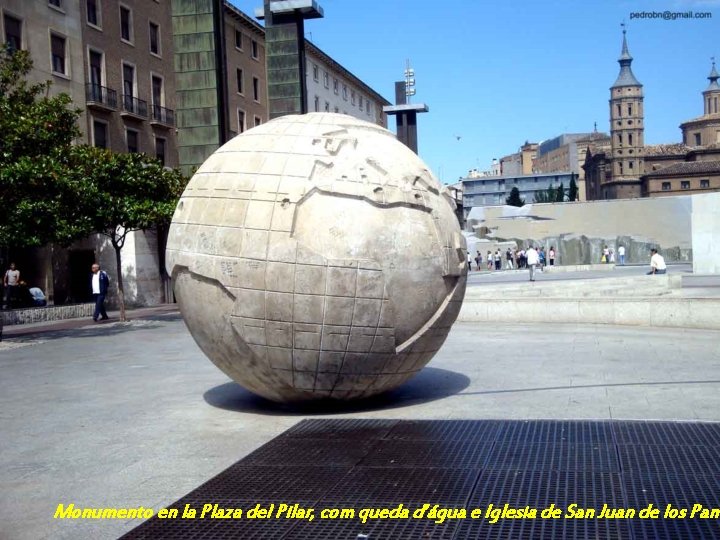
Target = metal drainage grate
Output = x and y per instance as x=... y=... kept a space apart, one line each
x=465 y=464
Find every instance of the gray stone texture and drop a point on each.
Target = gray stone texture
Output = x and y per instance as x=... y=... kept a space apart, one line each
x=580 y=230
x=316 y=256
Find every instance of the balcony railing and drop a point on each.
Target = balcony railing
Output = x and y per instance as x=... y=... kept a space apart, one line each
x=96 y=94
x=133 y=105
x=163 y=115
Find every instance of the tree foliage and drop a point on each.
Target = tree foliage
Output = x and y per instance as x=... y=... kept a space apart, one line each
x=573 y=190
x=37 y=132
x=57 y=192
x=124 y=193
x=514 y=198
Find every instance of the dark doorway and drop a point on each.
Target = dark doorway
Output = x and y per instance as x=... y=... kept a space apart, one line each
x=79 y=263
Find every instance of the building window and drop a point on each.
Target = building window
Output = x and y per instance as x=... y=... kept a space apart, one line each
x=666 y=186
x=336 y=86
x=327 y=106
x=160 y=144
x=698 y=139
x=685 y=184
x=345 y=92
x=258 y=120
x=619 y=139
x=254 y=49
x=93 y=13
x=154 y=38
x=96 y=73
x=630 y=139
x=369 y=107
x=631 y=164
x=131 y=137
x=100 y=134
x=620 y=166
x=56 y=3
x=337 y=109
x=239 y=81
x=629 y=110
x=256 y=89
x=126 y=26
x=13 y=32
x=316 y=73
x=360 y=102
x=705 y=183
x=158 y=96
x=128 y=85
x=317 y=104
x=57 y=52
x=352 y=97
x=238 y=40
x=326 y=79
x=241 y=121
x=128 y=81
x=619 y=110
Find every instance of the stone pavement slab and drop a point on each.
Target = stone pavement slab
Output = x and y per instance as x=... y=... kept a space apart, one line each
x=134 y=414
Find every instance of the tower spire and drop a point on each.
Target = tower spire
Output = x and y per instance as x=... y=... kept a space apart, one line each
x=713 y=77
x=626 y=76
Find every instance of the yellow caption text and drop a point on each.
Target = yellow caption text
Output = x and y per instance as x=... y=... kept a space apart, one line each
x=433 y=512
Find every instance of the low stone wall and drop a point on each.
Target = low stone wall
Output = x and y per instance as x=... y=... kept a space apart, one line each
x=48 y=313
x=659 y=312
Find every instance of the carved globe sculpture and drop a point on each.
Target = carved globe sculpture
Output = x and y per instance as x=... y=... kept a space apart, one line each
x=316 y=256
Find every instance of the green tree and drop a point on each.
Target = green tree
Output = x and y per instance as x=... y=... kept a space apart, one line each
x=56 y=192
x=123 y=193
x=573 y=190
x=560 y=193
x=546 y=196
x=37 y=132
x=514 y=198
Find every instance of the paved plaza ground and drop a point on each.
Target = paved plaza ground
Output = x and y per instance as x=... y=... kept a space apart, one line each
x=123 y=415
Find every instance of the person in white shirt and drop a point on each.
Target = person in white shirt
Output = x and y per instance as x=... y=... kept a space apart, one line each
x=621 y=255
x=532 y=260
x=657 y=263
x=469 y=261
x=11 y=281
x=38 y=296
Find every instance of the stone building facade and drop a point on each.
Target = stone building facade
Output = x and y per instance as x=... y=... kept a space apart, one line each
x=332 y=88
x=566 y=153
x=521 y=162
x=627 y=168
x=129 y=77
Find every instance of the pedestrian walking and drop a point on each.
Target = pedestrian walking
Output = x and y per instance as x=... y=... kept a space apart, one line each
x=532 y=260
x=621 y=255
x=551 y=255
x=99 y=283
x=509 y=259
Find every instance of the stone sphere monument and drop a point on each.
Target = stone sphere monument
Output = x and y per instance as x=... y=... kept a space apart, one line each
x=316 y=256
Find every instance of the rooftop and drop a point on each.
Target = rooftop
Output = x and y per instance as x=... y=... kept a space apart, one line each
x=688 y=167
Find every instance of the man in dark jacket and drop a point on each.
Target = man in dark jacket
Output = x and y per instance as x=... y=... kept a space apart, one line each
x=100 y=283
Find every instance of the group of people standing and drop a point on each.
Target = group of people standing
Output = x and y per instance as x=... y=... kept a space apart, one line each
x=608 y=255
x=17 y=294
x=512 y=259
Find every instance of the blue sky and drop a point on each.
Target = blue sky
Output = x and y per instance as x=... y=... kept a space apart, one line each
x=500 y=73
